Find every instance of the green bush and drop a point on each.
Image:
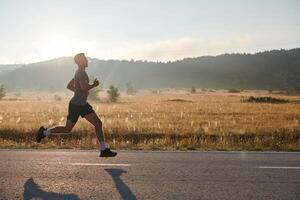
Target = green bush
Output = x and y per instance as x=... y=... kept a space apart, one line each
x=129 y=88
x=234 y=91
x=113 y=93
x=193 y=90
x=2 y=91
x=252 y=99
x=57 y=98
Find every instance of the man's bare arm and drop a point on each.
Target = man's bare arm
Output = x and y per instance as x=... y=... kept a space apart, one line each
x=85 y=86
x=71 y=85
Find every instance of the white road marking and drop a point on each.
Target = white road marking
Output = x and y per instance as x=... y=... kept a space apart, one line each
x=278 y=167
x=101 y=164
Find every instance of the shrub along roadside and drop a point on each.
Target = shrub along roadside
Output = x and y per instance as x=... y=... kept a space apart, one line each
x=252 y=99
x=283 y=140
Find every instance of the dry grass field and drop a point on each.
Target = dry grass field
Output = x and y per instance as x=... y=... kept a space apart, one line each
x=208 y=120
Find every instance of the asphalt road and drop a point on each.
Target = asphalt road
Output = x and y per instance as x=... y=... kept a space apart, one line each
x=148 y=175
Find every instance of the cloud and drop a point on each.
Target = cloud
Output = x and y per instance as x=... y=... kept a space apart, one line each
x=169 y=50
x=159 y=50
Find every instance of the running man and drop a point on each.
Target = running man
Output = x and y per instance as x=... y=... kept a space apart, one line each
x=78 y=106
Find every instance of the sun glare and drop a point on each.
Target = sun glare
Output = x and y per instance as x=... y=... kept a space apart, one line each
x=56 y=45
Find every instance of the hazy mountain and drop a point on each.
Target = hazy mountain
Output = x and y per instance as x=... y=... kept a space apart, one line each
x=9 y=67
x=277 y=69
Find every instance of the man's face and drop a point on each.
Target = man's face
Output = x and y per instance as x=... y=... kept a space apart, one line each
x=83 y=62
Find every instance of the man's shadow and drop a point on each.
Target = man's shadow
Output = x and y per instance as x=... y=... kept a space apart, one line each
x=33 y=191
x=122 y=188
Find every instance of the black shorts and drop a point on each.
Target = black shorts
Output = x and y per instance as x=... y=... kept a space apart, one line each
x=76 y=110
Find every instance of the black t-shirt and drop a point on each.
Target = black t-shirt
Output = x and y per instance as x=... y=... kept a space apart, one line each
x=80 y=96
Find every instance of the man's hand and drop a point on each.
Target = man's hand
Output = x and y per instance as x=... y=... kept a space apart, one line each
x=85 y=86
x=71 y=85
x=96 y=82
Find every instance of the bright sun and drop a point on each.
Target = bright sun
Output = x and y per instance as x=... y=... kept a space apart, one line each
x=55 y=46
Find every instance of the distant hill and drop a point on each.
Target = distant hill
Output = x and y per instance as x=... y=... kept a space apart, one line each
x=276 y=69
x=9 y=67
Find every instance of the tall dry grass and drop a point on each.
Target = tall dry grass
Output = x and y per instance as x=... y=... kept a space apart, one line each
x=167 y=120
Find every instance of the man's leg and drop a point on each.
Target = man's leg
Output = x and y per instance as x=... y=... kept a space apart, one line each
x=94 y=119
x=73 y=115
x=61 y=130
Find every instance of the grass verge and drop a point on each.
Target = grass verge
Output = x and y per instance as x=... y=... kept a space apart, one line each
x=279 y=141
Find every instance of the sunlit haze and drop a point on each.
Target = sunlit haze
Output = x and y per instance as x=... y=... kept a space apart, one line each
x=33 y=30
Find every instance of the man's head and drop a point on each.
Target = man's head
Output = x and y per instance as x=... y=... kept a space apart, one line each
x=81 y=60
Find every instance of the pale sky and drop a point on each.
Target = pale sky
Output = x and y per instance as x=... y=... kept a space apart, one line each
x=156 y=30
